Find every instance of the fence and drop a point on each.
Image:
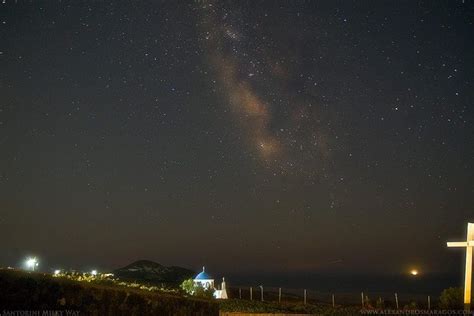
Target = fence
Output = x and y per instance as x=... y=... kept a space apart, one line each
x=303 y=296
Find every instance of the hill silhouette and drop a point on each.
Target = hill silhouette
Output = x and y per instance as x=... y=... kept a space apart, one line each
x=152 y=272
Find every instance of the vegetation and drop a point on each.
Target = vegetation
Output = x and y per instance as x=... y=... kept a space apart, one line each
x=191 y=288
x=145 y=271
x=411 y=305
x=233 y=305
x=103 y=295
x=36 y=291
x=108 y=279
x=188 y=286
x=452 y=298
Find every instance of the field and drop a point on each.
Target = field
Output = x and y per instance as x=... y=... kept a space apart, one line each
x=234 y=305
x=21 y=290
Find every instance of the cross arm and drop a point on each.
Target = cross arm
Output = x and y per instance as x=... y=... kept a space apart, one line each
x=461 y=244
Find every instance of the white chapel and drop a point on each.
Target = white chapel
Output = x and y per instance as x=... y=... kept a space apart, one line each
x=207 y=282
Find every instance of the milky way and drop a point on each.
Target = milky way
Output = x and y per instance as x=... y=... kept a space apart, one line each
x=241 y=65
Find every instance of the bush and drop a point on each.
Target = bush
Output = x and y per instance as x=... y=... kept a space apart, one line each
x=191 y=288
x=380 y=304
x=188 y=286
x=411 y=305
x=452 y=298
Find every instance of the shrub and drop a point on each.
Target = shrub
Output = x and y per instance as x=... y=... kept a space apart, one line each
x=188 y=286
x=451 y=298
x=411 y=305
x=380 y=304
x=191 y=288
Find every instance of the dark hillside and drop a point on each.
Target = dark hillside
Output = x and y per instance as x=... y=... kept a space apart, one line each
x=21 y=290
x=152 y=272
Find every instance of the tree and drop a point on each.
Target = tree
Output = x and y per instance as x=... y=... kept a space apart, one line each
x=204 y=292
x=188 y=286
x=196 y=289
x=451 y=298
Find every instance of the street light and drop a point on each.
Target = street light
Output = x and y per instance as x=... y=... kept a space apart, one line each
x=261 y=291
x=31 y=263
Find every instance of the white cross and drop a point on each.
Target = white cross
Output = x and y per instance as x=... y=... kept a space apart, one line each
x=468 y=244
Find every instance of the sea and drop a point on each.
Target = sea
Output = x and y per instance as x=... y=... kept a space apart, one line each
x=349 y=289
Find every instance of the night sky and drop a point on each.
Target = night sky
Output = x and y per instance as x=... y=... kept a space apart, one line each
x=248 y=136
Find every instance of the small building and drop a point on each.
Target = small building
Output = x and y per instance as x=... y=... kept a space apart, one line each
x=207 y=282
x=222 y=293
x=204 y=279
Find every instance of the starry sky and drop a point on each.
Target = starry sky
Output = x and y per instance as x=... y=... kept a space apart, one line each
x=250 y=136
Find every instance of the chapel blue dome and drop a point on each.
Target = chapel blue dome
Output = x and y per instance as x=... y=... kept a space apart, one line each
x=203 y=275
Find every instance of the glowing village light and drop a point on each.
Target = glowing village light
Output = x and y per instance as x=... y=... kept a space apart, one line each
x=57 y=272
x=94 y=272
x=414 y=272
x=31 y=263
